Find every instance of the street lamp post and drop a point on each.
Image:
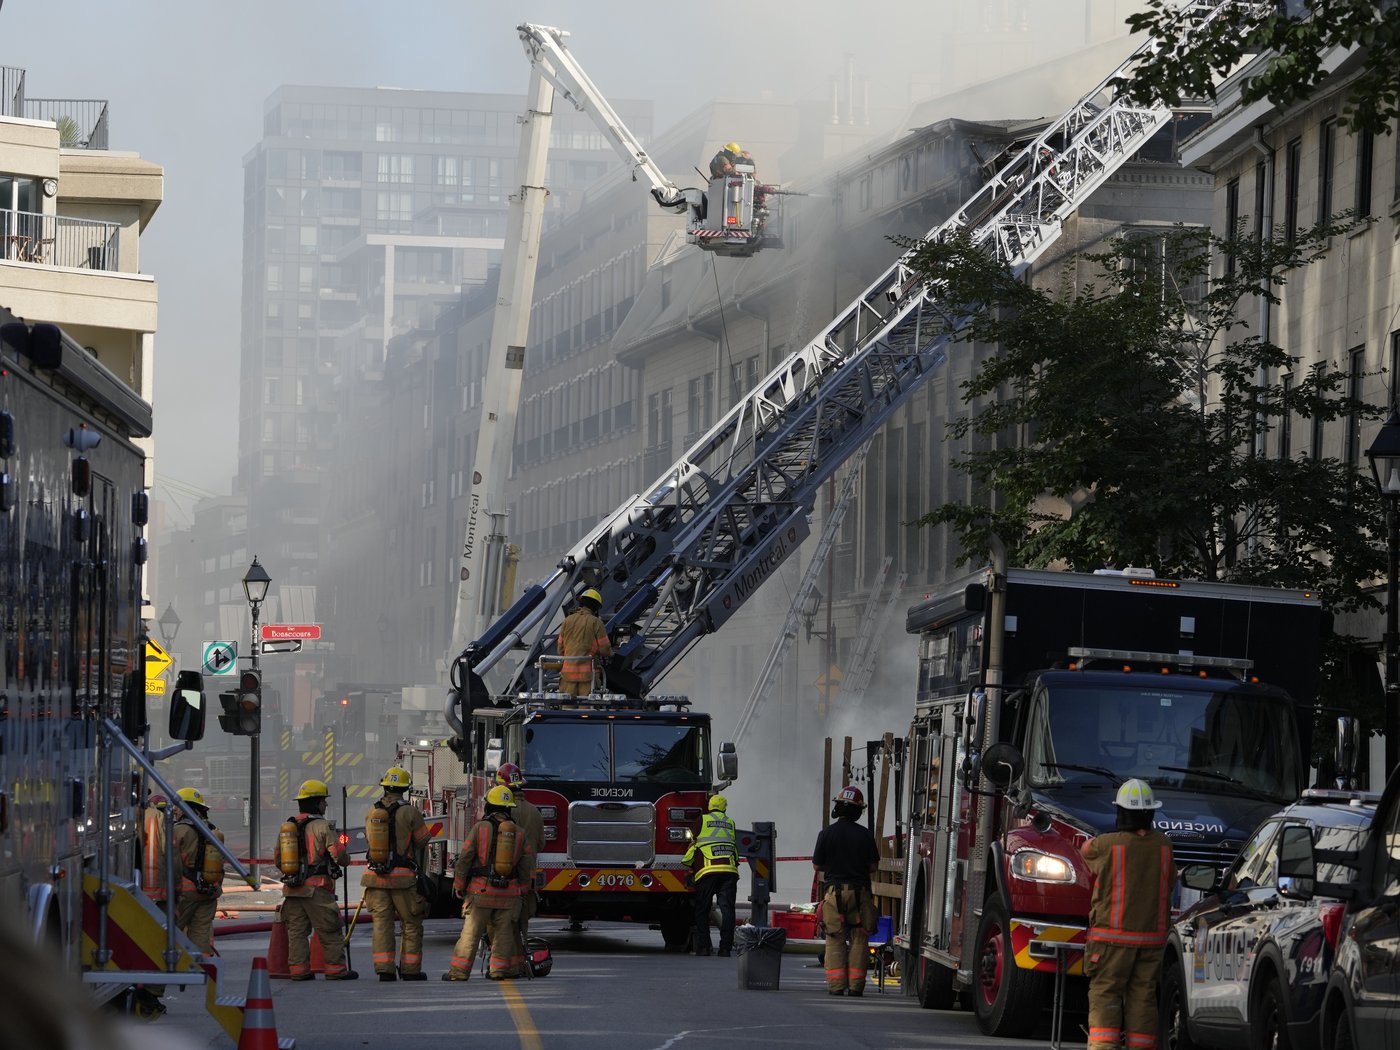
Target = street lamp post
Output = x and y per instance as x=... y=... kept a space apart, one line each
x=255 y=584
x=1384 y=455
x=169 y=624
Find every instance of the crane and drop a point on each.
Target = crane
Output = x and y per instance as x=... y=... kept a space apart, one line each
x=676 y=561
x=722 y=219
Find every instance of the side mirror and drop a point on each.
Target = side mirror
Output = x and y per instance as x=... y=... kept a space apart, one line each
x=1297 y=865
x=1203 y=877
x=1001 y=764
x=187 y=709
x=728 y=762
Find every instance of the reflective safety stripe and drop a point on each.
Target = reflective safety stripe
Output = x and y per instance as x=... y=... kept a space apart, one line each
x=1149 y=939
x=1146 y=1040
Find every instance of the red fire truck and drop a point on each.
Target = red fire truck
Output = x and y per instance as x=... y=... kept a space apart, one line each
x=620 y=783
x=1039 y=693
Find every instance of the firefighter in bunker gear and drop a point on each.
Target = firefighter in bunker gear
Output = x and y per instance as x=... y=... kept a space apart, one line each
x=1131 y=879
x=492 y=870
x=308 y=897
x=845 y=857
x=714 y=859
x=723 y=162
x=531 y=824
x=583 y=640
x=201 y=874
x=398 y=848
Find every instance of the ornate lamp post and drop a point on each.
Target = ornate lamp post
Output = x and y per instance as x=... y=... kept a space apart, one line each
x=255 y=584
x=1384 y=455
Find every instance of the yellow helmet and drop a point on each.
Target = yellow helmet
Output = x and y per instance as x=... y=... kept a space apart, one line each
x=500 y=795
x=733 y=147
x=718 y=804
x=313 y=789
x=397 y=778
x=591 y=595
x=193 y=796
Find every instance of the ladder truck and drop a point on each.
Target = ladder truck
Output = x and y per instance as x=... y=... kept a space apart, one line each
x=74 y=771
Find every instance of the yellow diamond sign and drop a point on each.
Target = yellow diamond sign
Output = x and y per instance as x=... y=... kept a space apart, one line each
x=157 y=660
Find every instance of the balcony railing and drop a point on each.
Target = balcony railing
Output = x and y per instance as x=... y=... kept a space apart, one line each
x=82 y=122
x=54 y=240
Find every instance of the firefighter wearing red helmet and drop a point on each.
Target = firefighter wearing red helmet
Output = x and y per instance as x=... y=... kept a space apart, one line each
x=531 y=823
x=845 y=857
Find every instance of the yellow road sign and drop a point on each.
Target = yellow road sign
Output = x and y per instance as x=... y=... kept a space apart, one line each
x=155 y=686
x=157 y=660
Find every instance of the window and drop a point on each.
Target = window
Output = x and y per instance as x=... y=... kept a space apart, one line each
x=1232 y=222
x=395 y=205
x=1318 y=427
x=1394 y=365
x=396 y=167
x=1326 y=166
x=1285 y=423
x=1263 y=196
x=1365 y=163
x=1293 y=169
x=1356 y=364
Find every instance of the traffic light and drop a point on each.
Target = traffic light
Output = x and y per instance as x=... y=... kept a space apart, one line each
x=228 y=721
x=250 y=703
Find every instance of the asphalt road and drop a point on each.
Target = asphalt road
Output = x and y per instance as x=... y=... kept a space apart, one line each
x=612 y=988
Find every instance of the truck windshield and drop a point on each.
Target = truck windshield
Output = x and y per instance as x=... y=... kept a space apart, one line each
x=599 y=752
x=1234 y=743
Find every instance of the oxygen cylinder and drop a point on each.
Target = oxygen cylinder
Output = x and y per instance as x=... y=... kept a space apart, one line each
x=379 y=836
x=213 y=871
x=289 y=847
x=503 y=863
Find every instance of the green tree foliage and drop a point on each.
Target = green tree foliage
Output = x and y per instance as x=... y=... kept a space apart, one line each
x=1134 y=402
x=1295 y=37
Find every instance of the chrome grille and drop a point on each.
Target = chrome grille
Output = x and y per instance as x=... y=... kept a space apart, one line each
x=1217 y=854
x=612 y=833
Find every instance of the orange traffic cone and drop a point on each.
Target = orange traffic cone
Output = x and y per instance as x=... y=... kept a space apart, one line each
x=259 y=1031
x=277 y=949
x=318 y=955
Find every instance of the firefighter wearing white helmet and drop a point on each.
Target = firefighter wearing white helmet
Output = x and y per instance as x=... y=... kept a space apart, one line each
x=1131 y=879
x=493 y=867
x=397 y=840
x=583 y=645
x=310 y=856
x=845 y=857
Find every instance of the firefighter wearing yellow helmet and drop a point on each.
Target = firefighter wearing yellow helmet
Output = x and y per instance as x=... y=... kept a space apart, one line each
x=310 y=856
x=492 y=870
x=397 y=839
x=583 y=645
x=531 y=824
x=723 y=162
x=714 y=859
x=201 y=869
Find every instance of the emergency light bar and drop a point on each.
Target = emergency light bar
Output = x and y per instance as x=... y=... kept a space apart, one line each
x=1223 y=663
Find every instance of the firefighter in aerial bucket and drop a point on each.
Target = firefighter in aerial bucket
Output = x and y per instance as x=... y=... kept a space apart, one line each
x=397 y=840
x=492 y=871
x=583 y=644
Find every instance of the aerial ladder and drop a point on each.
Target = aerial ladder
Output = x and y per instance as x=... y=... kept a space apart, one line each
x=722 y=219
x=676 y=561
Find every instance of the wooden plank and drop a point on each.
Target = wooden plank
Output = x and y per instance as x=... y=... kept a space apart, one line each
x=884 y=785
x=886 y=889
x=826 y=784
x=846 y=777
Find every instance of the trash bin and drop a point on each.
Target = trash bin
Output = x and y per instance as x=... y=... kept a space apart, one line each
x=760 y=956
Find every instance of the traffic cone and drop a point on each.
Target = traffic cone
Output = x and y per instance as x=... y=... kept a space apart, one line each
x=318 y=955
x=277 y=949
x=259 y=1030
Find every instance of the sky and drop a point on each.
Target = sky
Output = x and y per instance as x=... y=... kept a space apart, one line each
x=187 y=80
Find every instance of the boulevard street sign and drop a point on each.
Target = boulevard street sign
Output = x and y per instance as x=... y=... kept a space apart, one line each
x=157 y=660
x=286 y=632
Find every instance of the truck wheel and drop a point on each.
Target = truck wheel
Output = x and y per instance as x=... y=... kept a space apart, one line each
x=675 y=931
x=1270 y=1028
x=933 y=984
x=1006 y=999
x=1341 y=1035
x=1175 y=1035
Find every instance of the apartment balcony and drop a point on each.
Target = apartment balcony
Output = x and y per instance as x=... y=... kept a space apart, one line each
x=55 y=240
x=82 y=122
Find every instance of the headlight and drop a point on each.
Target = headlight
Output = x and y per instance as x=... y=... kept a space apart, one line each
x=1040 y=867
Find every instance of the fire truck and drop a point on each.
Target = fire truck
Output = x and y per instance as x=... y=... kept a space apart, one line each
x=74 y=771
x=621 y=784
x=1038 y=694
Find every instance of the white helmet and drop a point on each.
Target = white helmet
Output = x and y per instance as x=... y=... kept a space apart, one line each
x=1136 y=795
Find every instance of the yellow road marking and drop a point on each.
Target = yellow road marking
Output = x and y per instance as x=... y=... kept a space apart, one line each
x=520 y=1013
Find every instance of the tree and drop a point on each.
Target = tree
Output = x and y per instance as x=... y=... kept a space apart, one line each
x=1295 y=37
x=1134 y=404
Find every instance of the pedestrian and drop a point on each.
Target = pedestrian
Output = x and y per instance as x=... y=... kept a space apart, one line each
x=310 y=856
x=201 y=873
x=397 y=838
x=583 y=641
x=845 y=857
x=714 y=858
x=492 y=871
x=1131 y=881
x=531 y=824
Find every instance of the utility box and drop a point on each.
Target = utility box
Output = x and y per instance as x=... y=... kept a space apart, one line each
x=760 y=951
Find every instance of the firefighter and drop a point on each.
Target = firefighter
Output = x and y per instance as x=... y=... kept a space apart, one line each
x=714 y=858
x=398 y=850
x=531 y=823
x=845 y=857
x=201 y=876
x=310 y=855
x=1131 y=880
x=492 y=871
x=723 y=162
x=583 y=640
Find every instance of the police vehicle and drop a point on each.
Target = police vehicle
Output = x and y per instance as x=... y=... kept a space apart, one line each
x=1246 y=965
